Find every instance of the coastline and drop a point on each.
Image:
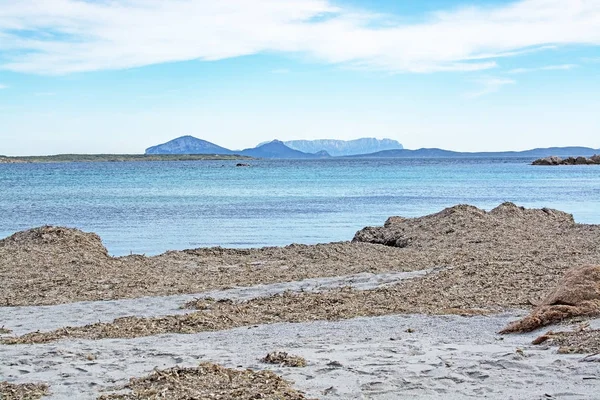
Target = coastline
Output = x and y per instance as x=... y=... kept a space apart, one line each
x=65 y=158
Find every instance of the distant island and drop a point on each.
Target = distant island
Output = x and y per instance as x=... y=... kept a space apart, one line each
x=340 y=148
x=189 y=148
x=192 y=145
x=440 y=153
x=332 y=148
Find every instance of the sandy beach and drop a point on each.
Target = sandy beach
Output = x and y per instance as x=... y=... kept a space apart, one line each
x=411 y=309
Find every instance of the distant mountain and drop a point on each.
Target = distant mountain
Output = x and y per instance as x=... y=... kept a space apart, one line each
x=344 y=147
x=187 y=145
x=277 y=149
x=534 y=153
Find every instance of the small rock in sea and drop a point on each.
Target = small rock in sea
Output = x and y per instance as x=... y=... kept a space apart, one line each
x=242 y=165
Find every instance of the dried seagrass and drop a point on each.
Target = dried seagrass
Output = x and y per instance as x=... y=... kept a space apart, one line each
x=284 y=359
x=208 y=381
x=576 y=295
x=23 y=391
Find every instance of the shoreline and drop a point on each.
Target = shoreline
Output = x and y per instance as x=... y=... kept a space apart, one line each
x=69 y=158
x=506 y=256
x=410 y=308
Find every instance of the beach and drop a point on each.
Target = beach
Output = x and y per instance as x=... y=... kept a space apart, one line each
x=409 y=309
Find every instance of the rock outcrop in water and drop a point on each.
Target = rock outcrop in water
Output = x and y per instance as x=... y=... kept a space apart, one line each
x=554 y=160
x=576 y=295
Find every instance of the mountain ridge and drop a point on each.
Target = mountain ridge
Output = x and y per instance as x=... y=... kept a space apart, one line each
x=336 y=147
x=279 y=149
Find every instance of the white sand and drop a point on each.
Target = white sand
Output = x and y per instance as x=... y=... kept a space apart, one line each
x=22 y=320
x=448 y=357
x=445 y=356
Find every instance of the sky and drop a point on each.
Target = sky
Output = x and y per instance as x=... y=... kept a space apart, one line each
x=118 y=76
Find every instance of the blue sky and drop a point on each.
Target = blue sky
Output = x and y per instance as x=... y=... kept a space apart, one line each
x=119 y=76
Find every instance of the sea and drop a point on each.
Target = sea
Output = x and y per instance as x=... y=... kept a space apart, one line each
x=151 y=207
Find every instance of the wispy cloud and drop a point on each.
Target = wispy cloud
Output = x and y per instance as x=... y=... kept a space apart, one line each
x=3 y=86
x=561 y=67
x=489 y=85
x=63 y=36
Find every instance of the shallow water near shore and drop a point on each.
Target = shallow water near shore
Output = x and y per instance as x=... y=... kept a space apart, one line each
x=151 y=207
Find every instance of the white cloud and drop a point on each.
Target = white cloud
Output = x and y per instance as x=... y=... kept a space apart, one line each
x=560 y=67
x=490 y=85
x=63 y=36
x=3 y=86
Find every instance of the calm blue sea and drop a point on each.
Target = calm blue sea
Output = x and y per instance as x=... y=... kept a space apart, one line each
x=151 y=207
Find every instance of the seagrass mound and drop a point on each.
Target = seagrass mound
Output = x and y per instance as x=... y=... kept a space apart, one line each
x=53 y=265
x=465 y=221
x=577 y=294
x=23 y=391
x=208 y=381
x=57 y=239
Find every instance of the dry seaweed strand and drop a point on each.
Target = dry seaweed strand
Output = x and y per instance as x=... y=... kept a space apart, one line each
x=572 y=342
x=208 y=381
x=23 y=391
x=284 y=359
x=577 y=294
x=337 y=304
